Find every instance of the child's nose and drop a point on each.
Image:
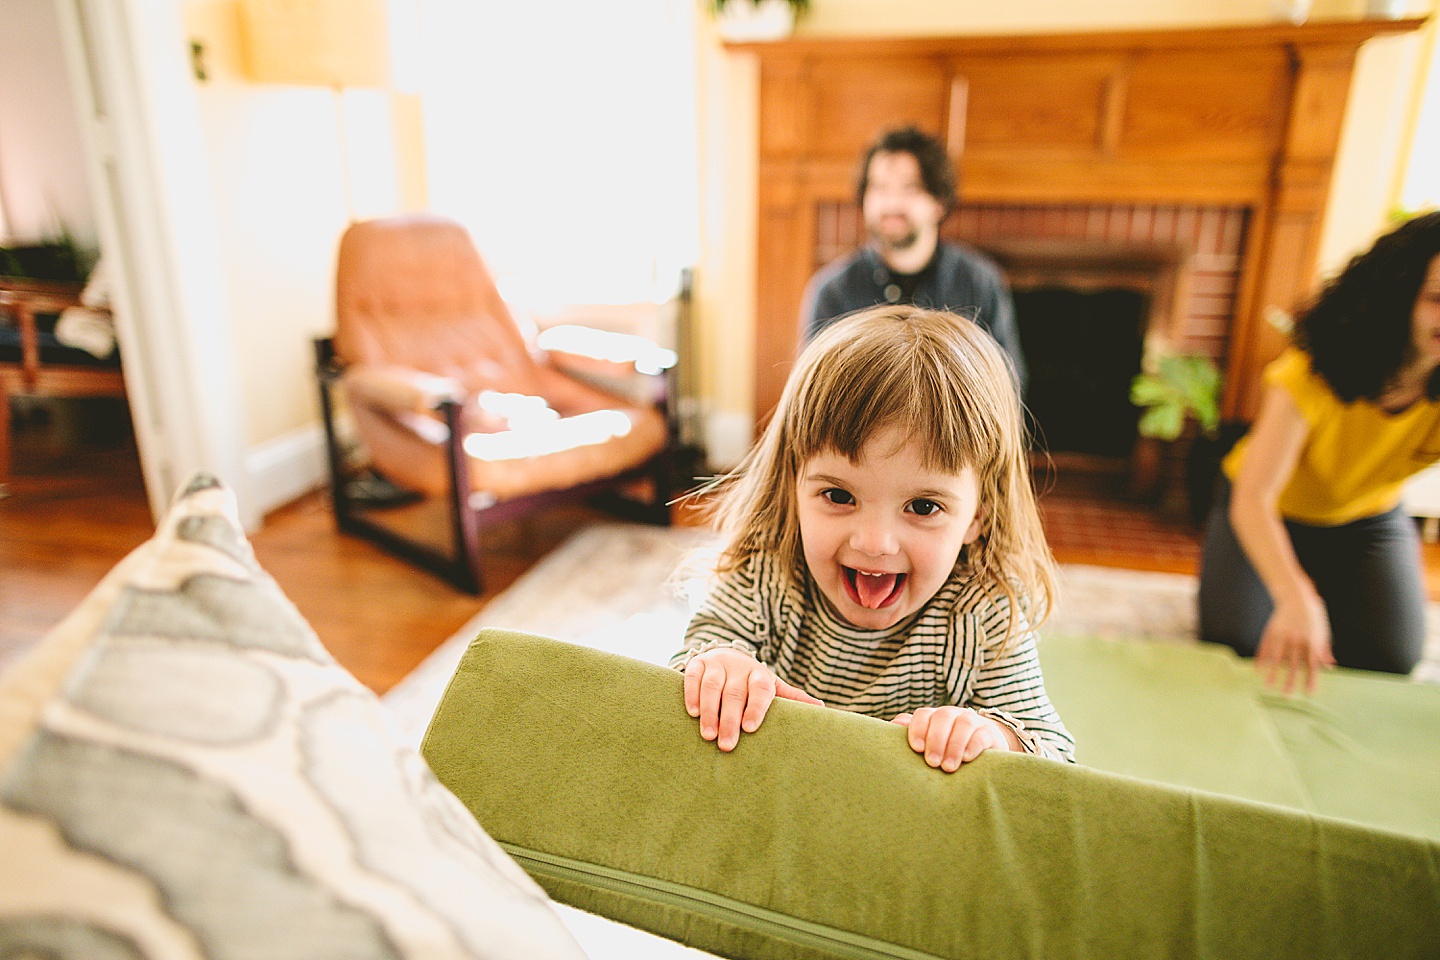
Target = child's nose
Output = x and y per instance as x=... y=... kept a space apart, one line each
x=874 y=537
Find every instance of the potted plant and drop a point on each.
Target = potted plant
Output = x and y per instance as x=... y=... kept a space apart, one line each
x=1179 y=397
x=748 y=21
x=1181 y=388
x=57 y=257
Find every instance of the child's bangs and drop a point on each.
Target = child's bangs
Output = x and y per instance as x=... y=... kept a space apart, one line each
x=857 y=401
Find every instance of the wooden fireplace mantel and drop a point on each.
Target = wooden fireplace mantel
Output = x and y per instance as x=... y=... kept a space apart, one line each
x=1241 y=116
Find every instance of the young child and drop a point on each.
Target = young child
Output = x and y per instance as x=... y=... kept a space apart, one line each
x=883 y=550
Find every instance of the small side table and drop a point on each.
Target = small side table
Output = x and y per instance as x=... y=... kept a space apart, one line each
x=34 y=375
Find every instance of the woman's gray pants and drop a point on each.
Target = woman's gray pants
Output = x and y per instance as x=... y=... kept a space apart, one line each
x=1368 y=572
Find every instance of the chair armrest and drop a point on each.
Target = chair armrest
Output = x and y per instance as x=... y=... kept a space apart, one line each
x=395 y=389
x=603 y=352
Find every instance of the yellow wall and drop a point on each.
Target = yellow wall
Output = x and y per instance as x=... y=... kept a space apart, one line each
x=1421 y=187
x=724 y=284
x=1370 y=164
x=1367 y=172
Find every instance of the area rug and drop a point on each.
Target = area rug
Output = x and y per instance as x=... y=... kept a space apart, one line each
x=624 y=587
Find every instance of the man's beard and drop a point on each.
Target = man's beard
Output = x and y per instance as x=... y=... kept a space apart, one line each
x=903 y=242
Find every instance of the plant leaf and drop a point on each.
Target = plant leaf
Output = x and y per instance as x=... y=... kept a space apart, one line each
x=1163 y=422
x=1146 y=390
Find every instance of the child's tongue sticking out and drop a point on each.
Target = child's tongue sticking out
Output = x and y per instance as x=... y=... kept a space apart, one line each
x=872 y=590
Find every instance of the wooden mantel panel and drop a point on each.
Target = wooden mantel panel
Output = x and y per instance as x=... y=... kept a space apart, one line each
x=850 y=101
x=1037 y=103
x=1180 y=106
x=995 y=177
x=1001 y=176
x=1246 y=116
x=784 y=120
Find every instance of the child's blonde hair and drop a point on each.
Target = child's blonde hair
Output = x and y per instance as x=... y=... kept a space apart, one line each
x=945 y=383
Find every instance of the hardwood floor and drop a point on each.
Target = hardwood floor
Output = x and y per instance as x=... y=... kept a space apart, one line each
x=61 y=531
x=381 y=616
x=71 y=515
x=1090 y=518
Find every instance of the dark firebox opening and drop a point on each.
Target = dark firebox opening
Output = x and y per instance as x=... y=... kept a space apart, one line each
x=1083 y=349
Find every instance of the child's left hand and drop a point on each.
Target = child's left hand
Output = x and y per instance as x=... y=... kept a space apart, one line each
x=949 y=736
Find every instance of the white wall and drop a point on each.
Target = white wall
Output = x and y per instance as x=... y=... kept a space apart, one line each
x=273 y=154
x=42 y=169
x=290 y=166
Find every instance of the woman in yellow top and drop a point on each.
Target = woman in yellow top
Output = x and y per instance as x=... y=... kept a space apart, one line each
x=1310 y=559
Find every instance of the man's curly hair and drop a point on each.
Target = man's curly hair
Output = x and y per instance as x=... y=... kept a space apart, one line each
x=1358 y=330
x=937 y=173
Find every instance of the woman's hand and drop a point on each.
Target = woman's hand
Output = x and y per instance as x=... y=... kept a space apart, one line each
x=949 y=736
x=730 y=691
x=1297 y=635
x=1297 y=640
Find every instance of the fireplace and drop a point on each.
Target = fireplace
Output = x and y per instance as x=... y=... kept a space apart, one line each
x=1083 y=348
x=1096 y=286
x=1187 y=167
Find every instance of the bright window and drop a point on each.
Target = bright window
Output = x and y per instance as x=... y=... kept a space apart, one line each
x=562 y=134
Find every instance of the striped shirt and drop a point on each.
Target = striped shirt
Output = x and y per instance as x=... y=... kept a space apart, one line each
x=943 y=654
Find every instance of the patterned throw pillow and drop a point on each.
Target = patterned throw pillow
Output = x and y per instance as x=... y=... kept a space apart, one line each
x=185 y=773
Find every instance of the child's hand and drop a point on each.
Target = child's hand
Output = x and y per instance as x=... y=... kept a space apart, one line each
x=949 y=736
x=730 y=691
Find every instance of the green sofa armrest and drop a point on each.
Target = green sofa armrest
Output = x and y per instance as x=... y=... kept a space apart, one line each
x=824 y=835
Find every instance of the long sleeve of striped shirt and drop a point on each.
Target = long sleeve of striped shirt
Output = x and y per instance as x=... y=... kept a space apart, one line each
x=947 y=653
x=745 y=610
x=1004 y=682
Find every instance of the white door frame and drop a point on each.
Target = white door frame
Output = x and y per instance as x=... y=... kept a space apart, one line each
x=155 y=214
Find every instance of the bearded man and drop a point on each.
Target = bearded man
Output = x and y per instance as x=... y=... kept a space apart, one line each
x=906 y=189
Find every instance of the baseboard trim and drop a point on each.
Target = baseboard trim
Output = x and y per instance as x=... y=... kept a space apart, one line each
x=286 y=468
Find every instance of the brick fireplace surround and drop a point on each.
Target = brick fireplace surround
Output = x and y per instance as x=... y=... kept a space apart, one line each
x=1197 y=160
x=1186 y=258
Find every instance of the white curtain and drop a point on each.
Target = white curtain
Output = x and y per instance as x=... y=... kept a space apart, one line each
x=563 y=135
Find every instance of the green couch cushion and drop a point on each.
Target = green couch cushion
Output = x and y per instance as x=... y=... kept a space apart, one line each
x=824 y=835
x=1365 y=747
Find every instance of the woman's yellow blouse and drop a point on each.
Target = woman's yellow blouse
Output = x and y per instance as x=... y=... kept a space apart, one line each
x=1356 y=458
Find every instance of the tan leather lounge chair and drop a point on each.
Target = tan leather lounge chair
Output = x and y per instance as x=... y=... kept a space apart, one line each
x=451 y=403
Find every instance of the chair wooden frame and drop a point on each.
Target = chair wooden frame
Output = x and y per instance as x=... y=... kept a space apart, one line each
x=468 y=512
x=34 y=376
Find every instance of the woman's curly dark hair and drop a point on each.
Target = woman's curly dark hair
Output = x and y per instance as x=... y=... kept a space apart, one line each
x=1358 y=330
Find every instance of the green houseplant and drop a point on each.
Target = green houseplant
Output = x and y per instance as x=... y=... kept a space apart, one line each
x=56 y=257
x=744 y=21
x=799 y=6
x=1179 y=398
x=1182 y=387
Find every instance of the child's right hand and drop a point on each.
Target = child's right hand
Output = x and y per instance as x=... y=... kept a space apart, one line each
x=730 y=691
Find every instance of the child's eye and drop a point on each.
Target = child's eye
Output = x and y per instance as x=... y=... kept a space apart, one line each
x=925 y=508
x=838 y=497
